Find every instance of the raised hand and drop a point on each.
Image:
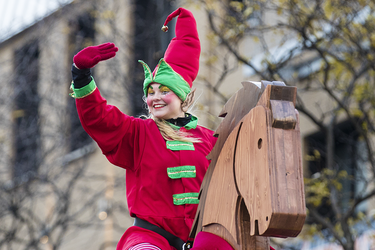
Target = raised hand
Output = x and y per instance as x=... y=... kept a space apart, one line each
x=90 y=56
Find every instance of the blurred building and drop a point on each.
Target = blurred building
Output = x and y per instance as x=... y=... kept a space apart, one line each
x=51 y=170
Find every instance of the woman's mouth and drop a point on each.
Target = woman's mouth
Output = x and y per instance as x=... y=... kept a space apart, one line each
x=159 y=106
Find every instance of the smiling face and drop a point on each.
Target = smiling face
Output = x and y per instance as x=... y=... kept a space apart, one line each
x=163 y=103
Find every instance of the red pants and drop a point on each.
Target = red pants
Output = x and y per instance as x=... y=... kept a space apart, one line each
x=209 y=241
x=204 y=241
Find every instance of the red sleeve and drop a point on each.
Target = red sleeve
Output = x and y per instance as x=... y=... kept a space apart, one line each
x=119 y=136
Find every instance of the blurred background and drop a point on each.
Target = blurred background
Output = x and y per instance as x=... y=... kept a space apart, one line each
x=57 y=190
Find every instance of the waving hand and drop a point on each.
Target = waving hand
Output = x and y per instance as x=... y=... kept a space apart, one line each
x=90 y=56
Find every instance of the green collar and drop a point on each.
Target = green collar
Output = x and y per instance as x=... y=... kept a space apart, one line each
x=191 y=125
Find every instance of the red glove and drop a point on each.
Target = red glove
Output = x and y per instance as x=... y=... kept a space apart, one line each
x=90 y=56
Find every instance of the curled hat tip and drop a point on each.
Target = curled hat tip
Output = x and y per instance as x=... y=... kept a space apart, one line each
x=164 y=28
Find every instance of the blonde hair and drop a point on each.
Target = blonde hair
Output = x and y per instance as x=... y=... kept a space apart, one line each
x=168 y=132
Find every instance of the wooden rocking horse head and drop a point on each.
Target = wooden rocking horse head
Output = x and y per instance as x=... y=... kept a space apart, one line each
x=254 y=184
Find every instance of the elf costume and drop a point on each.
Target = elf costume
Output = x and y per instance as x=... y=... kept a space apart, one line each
x=163 y=177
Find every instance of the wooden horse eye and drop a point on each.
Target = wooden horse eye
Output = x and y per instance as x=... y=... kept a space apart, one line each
x=260 y=143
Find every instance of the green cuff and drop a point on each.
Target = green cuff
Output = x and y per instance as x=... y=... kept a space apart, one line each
x=84 y=91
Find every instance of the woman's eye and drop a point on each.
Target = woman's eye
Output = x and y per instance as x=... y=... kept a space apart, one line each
x=150 y=91
x=164 y=90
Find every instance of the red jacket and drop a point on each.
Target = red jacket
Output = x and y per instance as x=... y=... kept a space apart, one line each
x=162 y=179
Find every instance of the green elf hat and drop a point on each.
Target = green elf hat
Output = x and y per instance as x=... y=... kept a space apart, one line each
x=179 y=67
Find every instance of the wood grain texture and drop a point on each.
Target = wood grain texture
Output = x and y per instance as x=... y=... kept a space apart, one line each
x=254 y=184
x=252 y=173
x=283 y=114
x=233 y=111
x=226 y=192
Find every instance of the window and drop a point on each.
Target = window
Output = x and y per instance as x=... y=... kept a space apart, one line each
x=149 y=43
x=82 y=35
x=346 y=159
x=25 y=112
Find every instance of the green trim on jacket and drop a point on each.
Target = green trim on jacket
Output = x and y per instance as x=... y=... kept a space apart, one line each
x=84 y=91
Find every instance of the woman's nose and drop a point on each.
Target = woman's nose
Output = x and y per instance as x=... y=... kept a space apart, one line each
x=157 y=96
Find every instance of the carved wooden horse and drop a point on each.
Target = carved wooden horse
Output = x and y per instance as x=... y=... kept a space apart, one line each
x=254 y=185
